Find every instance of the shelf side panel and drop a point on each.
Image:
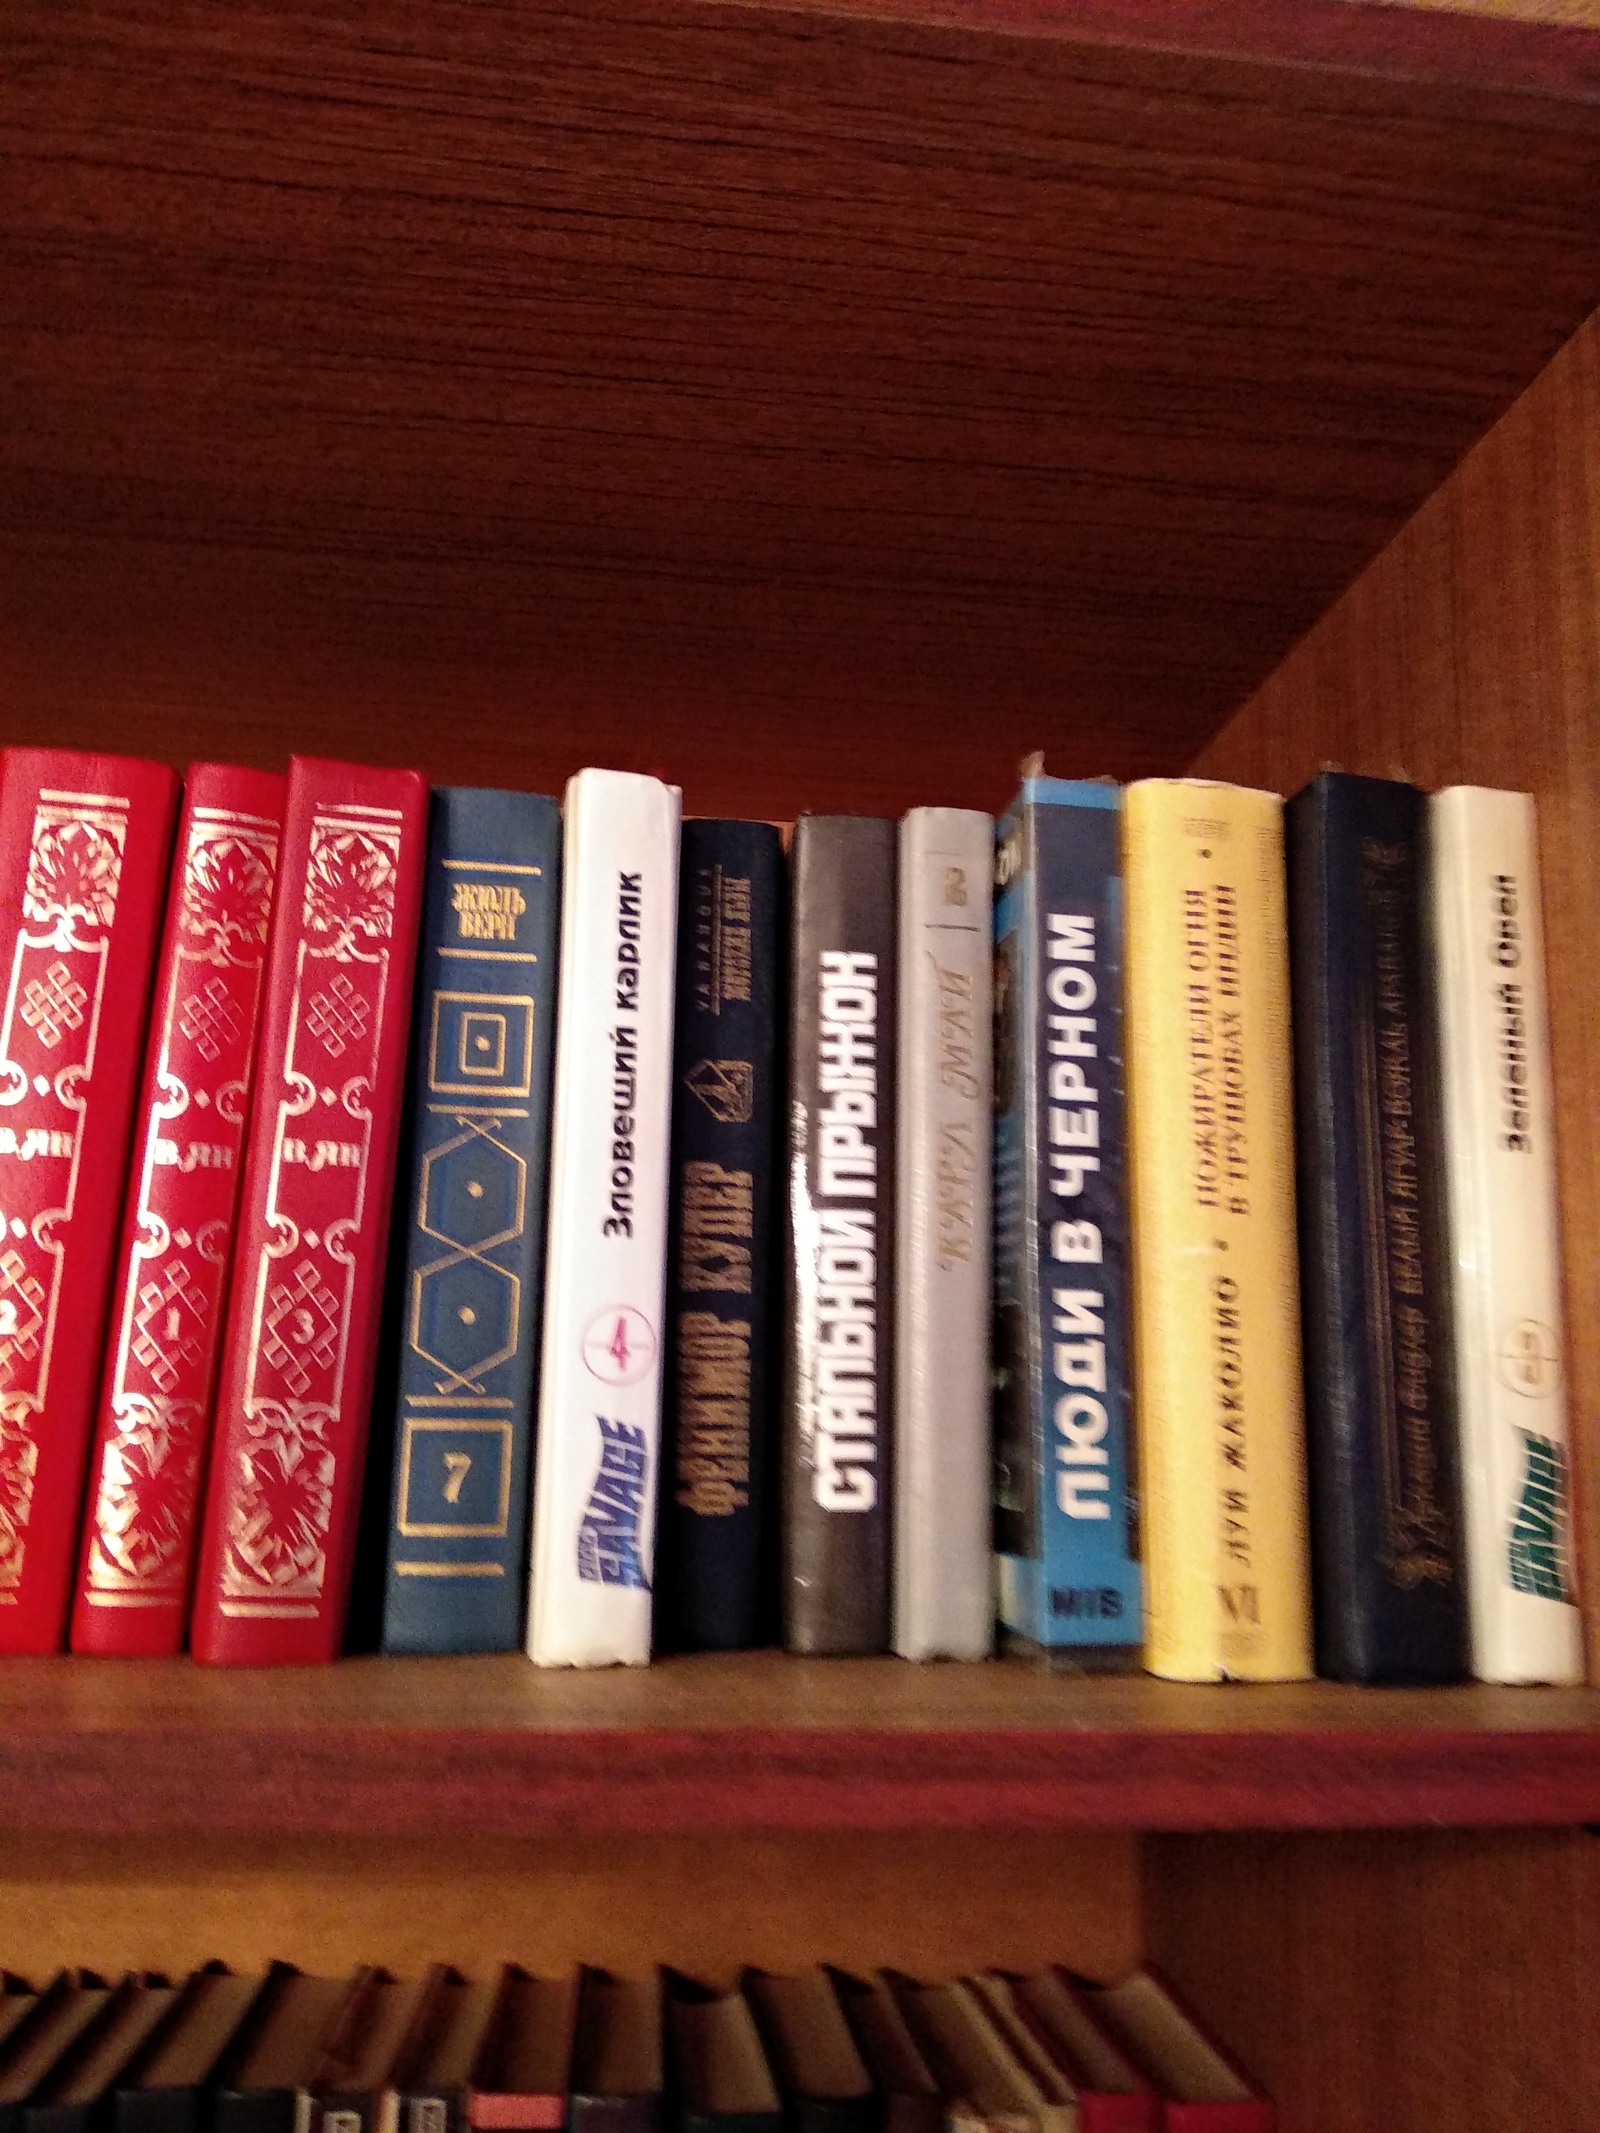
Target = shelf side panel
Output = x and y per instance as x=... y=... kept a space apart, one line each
x=1403 y=1979
x=1469 y=652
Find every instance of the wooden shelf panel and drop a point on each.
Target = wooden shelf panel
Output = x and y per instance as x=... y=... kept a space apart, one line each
x=628 y=381
x=1552 y=46
x=763 y=1742
x=1409 y=1982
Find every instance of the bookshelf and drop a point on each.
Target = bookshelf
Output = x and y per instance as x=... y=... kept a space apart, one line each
x=754 y=1741
x=825 y=405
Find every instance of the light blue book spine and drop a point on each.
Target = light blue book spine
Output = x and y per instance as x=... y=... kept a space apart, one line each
x=1067 y=1527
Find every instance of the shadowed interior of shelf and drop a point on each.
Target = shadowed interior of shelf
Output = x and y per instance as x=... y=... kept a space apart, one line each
x=499 y=387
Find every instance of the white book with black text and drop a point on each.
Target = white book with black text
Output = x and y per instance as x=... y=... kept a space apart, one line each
x=1505 y=1250
x=599 y=1436
x=943 y=1547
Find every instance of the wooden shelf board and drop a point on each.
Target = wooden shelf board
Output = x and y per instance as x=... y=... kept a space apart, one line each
x=763 y=1742
x=1552 y=46
x=652 y=375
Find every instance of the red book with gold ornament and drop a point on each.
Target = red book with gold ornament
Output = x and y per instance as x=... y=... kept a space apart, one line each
x=300 y=1345
x=167 y=1295
x=84 y=844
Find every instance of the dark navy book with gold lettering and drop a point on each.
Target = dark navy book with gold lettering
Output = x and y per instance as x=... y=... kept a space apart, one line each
x=711 y=1582
x=473 y=1281
x=1380 y=1390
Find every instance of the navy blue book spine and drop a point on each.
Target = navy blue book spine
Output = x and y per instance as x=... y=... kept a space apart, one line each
x=1380 y=1392
x=712 y=1590
x=1067 y=1534
x=473 y=1283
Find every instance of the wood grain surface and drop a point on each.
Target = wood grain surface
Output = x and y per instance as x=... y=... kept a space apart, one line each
x=760 y=1741
x=1470 y=653
x=823 y=410
x=1549 y=45
x=928 y=1902
x=823 y=404
x=1416 y=1982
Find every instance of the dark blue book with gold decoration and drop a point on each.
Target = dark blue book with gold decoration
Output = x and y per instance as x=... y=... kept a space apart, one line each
x=473 y=1280
x=710 y=1587
x=1390 y=1591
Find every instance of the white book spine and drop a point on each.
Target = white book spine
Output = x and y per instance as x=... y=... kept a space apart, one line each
x=594 y=1499
x=1499 y=1117
x=943 y=1556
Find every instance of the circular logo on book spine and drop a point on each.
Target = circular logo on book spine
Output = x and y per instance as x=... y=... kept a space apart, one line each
x=1528 y=1359
x=619 y=1345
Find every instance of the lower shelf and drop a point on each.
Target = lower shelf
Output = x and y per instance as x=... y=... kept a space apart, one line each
x=759 y=1741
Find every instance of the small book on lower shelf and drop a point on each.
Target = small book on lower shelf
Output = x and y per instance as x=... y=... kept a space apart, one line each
x=824 y=2085
x=62 y=2014
x=1203 y=2089
x=1068 y=2053
x=71 y=2097
x=523 y=2074
x=433 y=2072
x=1115 y=2096
x=264 y=2082
x=618 y=2067
x=719 y=2079
x=908 y=2096
x=354 y=2074
x=812 y=2051
x=167 y=2090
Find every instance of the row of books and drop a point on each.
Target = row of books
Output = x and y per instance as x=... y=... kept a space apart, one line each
x=813 y=2052
x=1046 y=1085
x=1327 y=1233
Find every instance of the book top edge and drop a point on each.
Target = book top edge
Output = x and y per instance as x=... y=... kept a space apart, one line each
x=1070 y=792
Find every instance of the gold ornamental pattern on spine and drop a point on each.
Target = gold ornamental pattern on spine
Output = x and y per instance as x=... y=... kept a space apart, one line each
x=169 y=1305
x=299 y=1290
x=48 y=1039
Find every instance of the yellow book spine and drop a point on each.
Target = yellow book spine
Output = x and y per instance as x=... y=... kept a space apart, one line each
x=1216 y=1293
